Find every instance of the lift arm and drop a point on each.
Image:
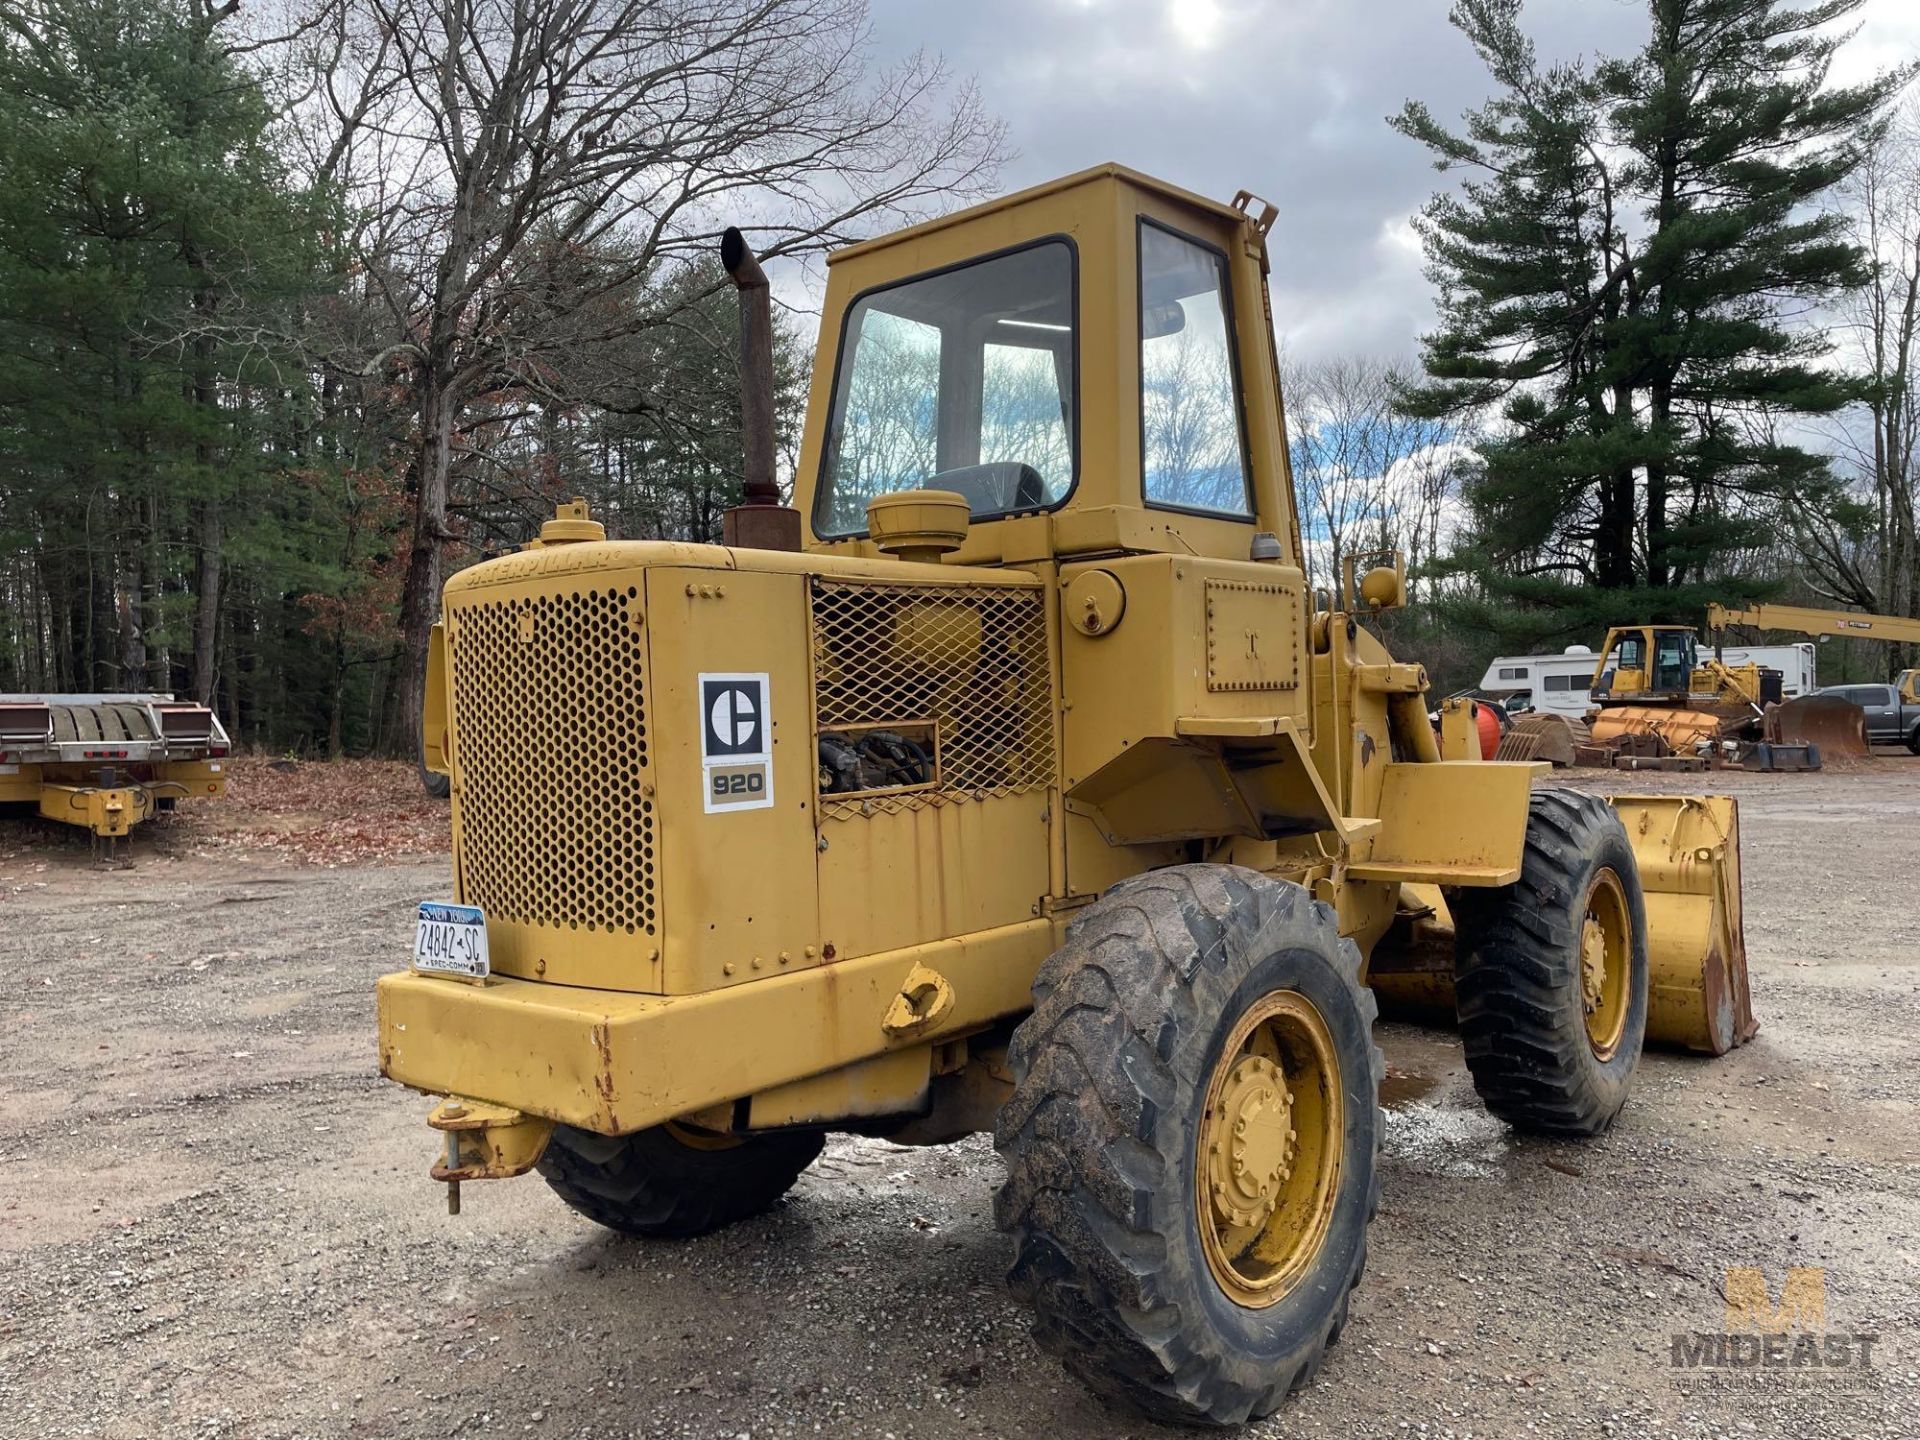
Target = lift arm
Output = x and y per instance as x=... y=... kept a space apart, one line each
x=1851 y=623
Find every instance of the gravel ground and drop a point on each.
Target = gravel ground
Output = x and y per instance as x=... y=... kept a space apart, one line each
x=215 y=1219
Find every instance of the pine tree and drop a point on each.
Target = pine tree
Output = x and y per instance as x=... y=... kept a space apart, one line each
x=152 y=245
x=1622 y=279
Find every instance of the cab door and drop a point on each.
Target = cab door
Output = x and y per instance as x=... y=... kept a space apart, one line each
x=1672 y=662
x=1883 y=711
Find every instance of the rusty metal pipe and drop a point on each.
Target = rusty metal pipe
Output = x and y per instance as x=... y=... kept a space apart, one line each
x=756 y=366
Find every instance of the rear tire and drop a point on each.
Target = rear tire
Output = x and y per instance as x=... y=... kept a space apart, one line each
x=1194 y=1012
x=672 y=1183
x=1551 y=1048
x=1913 y=740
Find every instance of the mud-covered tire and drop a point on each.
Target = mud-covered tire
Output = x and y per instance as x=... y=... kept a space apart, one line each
x=1517 y=974
x=1112 y=1074
x=656 y=1186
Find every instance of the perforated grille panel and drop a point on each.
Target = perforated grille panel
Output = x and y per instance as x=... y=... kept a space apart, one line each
x=970 y=660
x=550 y=732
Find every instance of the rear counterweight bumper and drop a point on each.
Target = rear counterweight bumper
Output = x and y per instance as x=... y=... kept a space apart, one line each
x=615 y=1062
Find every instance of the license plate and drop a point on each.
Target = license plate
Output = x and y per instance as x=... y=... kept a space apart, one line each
x=451 y=940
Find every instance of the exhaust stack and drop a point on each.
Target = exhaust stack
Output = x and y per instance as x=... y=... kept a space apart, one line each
x=760 y=521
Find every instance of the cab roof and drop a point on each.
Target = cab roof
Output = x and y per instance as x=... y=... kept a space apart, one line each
x=1111 y=170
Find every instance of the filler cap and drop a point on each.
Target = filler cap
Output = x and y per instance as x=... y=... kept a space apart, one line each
x=570 y=525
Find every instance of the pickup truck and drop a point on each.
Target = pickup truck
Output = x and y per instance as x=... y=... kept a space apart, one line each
x=1892 y=719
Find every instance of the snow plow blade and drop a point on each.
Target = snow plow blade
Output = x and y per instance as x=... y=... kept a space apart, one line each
x=1680 y=727
x=1688 y=851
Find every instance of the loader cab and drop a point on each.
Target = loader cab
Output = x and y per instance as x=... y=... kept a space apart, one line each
x=1087 y=363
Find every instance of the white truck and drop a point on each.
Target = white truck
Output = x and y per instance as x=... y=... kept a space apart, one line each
x=1558 y=684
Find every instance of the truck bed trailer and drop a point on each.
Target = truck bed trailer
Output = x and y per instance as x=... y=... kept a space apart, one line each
x=107 y=762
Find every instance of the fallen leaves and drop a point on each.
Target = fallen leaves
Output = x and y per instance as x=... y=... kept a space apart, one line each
x=320 y=812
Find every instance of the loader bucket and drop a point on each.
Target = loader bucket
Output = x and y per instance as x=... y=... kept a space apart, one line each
x=1551 y=738
x=1837 y=727
x=1688 y=851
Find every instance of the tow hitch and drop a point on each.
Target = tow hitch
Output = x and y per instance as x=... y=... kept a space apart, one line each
x=485 y=1142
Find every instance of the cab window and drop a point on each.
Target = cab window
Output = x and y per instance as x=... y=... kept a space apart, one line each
x=1672 y=661
x=958 y=380
x=1192 y=441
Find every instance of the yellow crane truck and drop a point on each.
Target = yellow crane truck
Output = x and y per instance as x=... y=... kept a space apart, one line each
x=1847 y=624
x=1012 y=780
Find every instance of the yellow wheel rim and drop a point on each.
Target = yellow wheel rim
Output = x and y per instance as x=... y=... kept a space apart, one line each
x=1606 y=962
x=695 y=1137
x=1269 y=1149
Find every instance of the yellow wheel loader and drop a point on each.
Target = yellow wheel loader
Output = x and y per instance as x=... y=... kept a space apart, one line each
x=1012 y=781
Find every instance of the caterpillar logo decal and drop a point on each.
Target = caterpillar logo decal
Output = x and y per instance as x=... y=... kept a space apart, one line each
x=736 y=743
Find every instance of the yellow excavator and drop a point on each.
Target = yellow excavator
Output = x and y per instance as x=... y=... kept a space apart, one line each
x=1655 y=679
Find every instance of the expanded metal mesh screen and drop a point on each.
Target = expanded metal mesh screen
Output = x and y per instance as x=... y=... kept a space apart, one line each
x=550 y=732
x=970 y=661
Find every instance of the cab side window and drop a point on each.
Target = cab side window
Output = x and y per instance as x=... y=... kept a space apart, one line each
x=1192 y=441
x=1672 y=662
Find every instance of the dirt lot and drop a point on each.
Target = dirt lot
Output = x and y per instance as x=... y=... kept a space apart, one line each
x=215 y=1220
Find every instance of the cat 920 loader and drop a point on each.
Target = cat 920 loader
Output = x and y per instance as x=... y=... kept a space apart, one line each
x=1016 y=780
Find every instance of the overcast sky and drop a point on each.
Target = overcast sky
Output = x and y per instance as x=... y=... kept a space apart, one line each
x=1287 y=98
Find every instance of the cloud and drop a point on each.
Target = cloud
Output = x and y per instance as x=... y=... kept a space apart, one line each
x=1287 y=98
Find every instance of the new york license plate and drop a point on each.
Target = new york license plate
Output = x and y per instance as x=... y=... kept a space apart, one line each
x=451 y=939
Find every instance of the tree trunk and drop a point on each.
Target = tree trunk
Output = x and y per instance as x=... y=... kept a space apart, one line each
x=205 y=394
x=420 y=595
x=73 y=661
x=1614 y=551
x=206 y=615
x=230 y=669
x=337 y=699
x=153 y=576
x=133 y=642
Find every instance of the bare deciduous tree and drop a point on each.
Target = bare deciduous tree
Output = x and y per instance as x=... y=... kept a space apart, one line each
x=1368 y=475
x=1869 y=556
x=531 y=172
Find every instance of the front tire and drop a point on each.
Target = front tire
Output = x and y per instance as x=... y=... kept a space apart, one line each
x=1192 y=1143
x=1550 y=974
x=673 y=1182
x=437 y=784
